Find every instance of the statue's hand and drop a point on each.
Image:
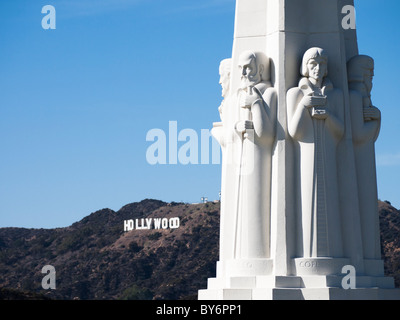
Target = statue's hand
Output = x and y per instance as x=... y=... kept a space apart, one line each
x=320 y=113
x=371 y=113
x=247 y=98
x=242 y=126
x=313 y=101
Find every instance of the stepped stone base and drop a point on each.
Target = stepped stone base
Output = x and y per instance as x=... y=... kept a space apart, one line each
x=308 y=287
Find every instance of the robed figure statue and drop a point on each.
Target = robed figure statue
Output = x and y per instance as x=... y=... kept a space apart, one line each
x=366 y=124
x=316 y=123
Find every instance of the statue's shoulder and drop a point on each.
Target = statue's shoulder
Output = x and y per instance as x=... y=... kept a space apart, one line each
x=301 y=89
x=270 y=92
x=270 y=97
x=263 y=86
x=295 y=94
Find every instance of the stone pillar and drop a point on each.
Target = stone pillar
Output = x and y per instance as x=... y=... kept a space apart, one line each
x=284 y=30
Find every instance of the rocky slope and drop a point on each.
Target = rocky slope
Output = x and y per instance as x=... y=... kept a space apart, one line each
x=390 y=239
x=95 y=259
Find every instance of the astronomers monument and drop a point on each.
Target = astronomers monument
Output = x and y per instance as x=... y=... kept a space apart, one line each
x=299 y=208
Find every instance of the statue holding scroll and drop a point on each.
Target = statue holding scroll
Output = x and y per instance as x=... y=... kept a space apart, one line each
x=316 y=123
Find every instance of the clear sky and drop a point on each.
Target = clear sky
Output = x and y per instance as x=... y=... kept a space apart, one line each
x=77 y=102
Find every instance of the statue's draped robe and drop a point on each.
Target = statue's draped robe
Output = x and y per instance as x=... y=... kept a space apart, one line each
x=252 y=227
x=365 y=134
x=319 y=227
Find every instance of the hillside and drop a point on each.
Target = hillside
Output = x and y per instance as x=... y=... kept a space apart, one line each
x=390 y=239
x=95 y=259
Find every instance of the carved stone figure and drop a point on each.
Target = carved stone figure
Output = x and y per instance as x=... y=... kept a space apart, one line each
x=224 y=80
x=366 y=123
x=297 y=155
x=256 y=132
x=223 y=130
x=225 y=134
x=316 y=122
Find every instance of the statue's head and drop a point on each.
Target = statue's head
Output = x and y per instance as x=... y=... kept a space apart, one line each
x=254 y=67
x=361 y=69
x=225 y=69
x=315 y=64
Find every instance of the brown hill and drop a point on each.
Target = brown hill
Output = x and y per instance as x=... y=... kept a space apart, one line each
x=95 y=259
x=390 y=239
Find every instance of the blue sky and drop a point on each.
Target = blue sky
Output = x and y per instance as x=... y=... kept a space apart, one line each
x=77 y=102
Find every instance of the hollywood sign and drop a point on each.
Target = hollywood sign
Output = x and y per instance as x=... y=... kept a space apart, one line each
x=150 y=223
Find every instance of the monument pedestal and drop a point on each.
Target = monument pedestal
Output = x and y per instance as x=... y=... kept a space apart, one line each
x=307 y=287
x=320 y=266
x=245 y=267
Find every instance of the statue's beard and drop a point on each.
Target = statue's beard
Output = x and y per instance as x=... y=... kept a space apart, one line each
x=249 y=82
x=225 y=91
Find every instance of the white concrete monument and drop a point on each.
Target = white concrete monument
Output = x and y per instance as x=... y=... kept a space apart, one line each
x=298 y=128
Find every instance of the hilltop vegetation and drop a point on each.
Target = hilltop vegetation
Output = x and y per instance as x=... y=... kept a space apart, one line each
x=95 y=259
